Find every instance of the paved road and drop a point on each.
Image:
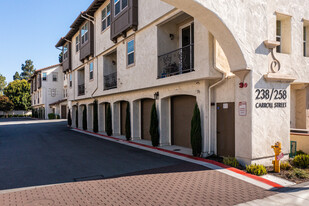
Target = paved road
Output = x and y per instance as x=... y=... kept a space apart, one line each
x=40 y=153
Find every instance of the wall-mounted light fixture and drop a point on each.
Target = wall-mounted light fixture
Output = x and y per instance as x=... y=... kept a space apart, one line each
x=172 y=36
x=156 y=95
x=114 y=62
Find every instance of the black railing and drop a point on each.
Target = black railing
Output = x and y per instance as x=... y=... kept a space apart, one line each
x=110 y=81
x=81 y=89
x=176 y=62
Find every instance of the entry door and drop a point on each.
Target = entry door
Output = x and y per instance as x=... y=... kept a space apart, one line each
x=63 y=112
x=186 y=43
x=182 y=108
x=226 y=129
x=146 y=117
x=123 y=108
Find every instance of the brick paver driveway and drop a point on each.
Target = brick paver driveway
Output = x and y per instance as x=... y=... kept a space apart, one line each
x=49 y=153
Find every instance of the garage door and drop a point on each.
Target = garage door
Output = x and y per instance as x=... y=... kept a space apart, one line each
x=146 y=115
x=181 y=115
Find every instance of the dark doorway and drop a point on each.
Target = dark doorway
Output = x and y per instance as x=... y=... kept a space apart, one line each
x=146 y=105
x=63 y=112
x=181 y=115
x=123 y=113
x=226 y=129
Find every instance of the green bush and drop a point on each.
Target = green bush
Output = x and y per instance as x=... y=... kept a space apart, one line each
x=51 y=116
x=128 y=123
x=95 y=117
x=299 y=173
x=85 y=118
x=108 y=120
x=196 y=132
x=69 y=118
x=154 y=127
x=255 y=169
x=301 y=161
x=230 y=161
x=300 y=152
x=285 y=166
x=58 y=116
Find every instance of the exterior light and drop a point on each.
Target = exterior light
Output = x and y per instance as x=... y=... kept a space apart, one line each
x=156 y=95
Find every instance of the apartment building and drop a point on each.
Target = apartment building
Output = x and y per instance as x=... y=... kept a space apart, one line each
x=48 y=92
x=244 y=63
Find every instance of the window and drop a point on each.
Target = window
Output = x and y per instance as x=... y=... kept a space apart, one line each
x=65 y=51
x=130 y=50
x=44 y=76
x=85 y=33
x=70 y=80
x=278 y=35
x=91 y=70
x=77 y=43
x=55 y=76
x=120 y=5
x=106 y=17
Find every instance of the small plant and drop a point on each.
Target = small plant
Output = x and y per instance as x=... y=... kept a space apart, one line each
x=108 y=121
x=57 y=116
x=128 y=123
x=154 y=127
x=301 y=161
x=302 y=174
x=85 y=118
x=230 y=161
x=51 y=116
x=196 y=132
x=95 y=117
x=69 y=118
x=285 y=166
x=300 y=152
x=255 y=169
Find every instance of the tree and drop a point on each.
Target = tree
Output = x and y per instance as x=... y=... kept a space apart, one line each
x=6 y=104
x=196 y=132
x=60 y=57
x=2 y=83
x=95 y=117
x=27 y=70
x=76 y=117
x=18 y=92
x=108 y=121
x=69 y=118
x=85 y=118
x=128 y=123
x=16 y=76
x=154 y=127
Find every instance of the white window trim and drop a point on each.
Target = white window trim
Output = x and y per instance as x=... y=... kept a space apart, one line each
x=279 y=36
x=106 y=17
x=77 y=43
x=128 y=53
x=91 y=63
x=121 y=9
x=86 y=32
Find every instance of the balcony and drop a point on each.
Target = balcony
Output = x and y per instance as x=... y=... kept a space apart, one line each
x=110 y=81
x=81 y=89
x=176 y=62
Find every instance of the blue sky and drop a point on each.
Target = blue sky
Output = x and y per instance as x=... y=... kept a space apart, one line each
x=30 y=29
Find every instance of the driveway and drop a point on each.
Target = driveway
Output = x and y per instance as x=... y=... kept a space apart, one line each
x=34 y=153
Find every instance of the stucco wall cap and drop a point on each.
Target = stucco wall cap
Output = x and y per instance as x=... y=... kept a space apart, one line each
x=275 y=77
x=271 y=44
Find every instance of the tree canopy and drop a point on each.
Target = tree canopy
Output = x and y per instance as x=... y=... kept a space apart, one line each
x=2 y=83
x=27 y=70
x=6 y=104
x=16 y=76
x=18 y=92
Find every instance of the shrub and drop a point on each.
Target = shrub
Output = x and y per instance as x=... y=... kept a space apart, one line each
x=95 y=117
x=108 y=121
x=85 y=118
x=50 y=116
x=299 y=173
x=69 y=118
x=285 y=166
x=300 y=152
x=230 y=161
x=128 y=123
x=154 y=127
x=58 y=116
x=301 y=161
x=76 y=117
x=196 y=132
x=255 y=169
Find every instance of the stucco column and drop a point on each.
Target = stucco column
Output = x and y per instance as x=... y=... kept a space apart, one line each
x=163 y=107
x=136 y=119
x=115 y=107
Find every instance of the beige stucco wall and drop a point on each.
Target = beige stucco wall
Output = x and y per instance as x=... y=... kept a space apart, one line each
x=302 y=142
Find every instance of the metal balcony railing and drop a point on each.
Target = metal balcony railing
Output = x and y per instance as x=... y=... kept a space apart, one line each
x=110 y=81
x=176 y=62
x=81 y=89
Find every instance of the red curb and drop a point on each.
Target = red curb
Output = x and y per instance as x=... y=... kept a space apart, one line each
x=257 y=178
